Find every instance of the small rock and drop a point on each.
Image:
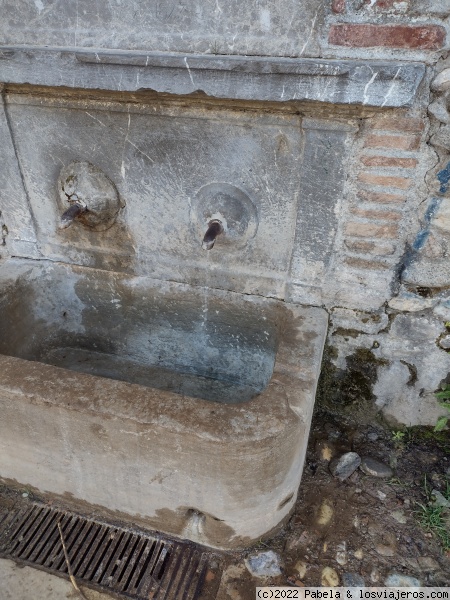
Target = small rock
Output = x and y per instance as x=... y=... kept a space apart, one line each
x=345 y=465
x=324 y=450
x=325 y=513
x=375 y=575
x=25 y=495
x=398 y=580
x=445 y=342
x=329 y=577
x=381 y=495
x=358 y=554
x=399 y=516
x=440 y=499
x=441 y=82
x=332 y=431
x=341 y=554
x=372 y=436
x=264 y=564
x=385 y=550
x=352 y=580
x=373 y=467
x=427 y=563
x=301 y=567
x=439 y=110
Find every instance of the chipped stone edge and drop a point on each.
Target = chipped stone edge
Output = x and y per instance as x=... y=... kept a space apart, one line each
x=356 y=82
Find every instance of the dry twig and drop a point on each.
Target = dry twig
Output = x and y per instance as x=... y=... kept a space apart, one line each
x=69 y=568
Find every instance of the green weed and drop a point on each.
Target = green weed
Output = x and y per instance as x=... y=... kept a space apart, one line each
x=431 y=517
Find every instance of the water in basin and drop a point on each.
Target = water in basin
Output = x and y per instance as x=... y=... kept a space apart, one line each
x=207 y=344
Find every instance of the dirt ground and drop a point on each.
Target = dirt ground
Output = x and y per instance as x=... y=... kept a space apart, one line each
x=366 y=526
x=362 y=529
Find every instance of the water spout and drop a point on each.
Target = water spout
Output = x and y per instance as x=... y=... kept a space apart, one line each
x=215 y=229
x=68 y=217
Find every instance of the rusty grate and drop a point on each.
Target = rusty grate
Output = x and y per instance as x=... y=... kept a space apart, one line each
x=131 y=563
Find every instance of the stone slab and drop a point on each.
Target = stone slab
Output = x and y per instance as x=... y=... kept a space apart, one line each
x=24 y=583
x=267 y=27
x=368 y=83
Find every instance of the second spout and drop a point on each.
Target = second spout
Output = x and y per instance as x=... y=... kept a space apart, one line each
x=215 y=228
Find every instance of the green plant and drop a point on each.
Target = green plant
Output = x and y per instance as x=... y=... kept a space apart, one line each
x=431 y=516
x=398 y=436
x=444 y=394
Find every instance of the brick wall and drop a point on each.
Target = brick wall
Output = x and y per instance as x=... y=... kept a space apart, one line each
x=385 y=185
x=390 y=25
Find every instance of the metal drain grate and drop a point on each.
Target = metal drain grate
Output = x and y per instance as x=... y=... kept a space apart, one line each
x=133 y=564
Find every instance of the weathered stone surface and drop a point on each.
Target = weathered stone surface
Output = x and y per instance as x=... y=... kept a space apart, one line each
x=441 y=83
x=354 y=320
x=407 y=302
x=264 y=564
x=15 y=211
x=233 y=77
x=433 y=7
x=274 y=28
x=441 y=139
x=399 y=580
x=428 y=563
x=317 y=222
x=345 y=465
x=164 y=184
x=26 y=583
x=376 y=468
x=365 y=35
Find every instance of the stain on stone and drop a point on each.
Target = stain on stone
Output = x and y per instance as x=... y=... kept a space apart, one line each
x=412 y=373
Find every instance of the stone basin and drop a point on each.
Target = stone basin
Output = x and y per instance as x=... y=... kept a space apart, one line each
x=181 y=407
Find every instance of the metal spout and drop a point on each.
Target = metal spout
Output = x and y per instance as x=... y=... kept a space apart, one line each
x=215 y=228
x=68 y=217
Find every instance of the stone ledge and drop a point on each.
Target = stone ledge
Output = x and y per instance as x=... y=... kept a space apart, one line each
x=368 y=83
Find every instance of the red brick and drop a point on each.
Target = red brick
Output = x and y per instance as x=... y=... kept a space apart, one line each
x=366 y=35
x=389 y=161
x=361 y=263
x=370 y=230
x=397 y=123
x=401 y=183
x=377 y=215
x=374 y=248
x=380 y=198
x=399 y=142
x=338 y=6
